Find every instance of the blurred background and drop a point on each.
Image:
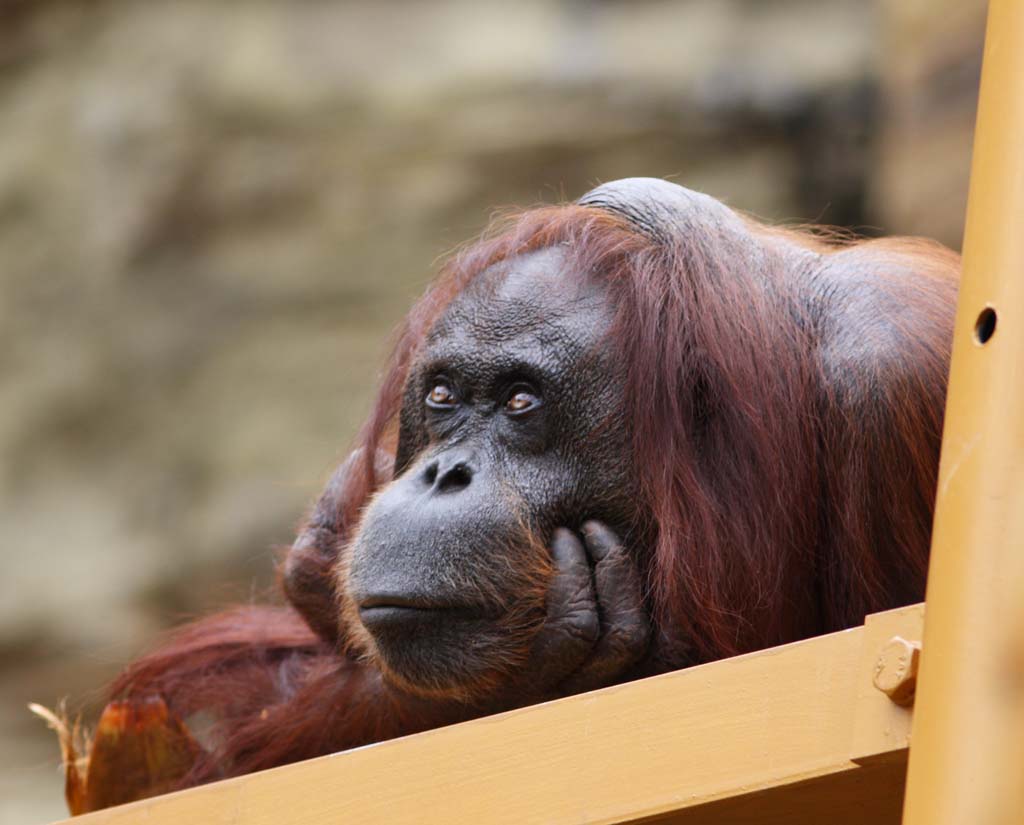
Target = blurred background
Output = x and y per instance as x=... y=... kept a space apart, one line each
x=212 y=215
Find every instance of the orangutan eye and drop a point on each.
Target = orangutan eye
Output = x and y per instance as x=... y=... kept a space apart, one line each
x=441 y=397
x=521 y=400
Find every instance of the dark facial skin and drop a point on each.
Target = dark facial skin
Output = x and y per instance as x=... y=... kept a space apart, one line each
x=492 y=561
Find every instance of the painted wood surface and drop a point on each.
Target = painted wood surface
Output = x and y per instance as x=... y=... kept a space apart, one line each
x=967 y=765
x=793 y=734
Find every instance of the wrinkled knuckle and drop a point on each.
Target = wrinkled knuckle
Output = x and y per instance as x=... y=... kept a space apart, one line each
x=582 y=598
x=584 y=624
x=565 y=598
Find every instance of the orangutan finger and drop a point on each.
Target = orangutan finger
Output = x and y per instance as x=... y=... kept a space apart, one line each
x=328 y=507
x=571 y=626
x=307 y=569
x=625 y=628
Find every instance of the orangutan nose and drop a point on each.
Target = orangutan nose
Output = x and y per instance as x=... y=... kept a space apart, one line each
x=449 y=473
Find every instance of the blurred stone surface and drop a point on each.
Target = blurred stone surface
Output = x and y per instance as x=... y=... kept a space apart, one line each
x=929 y=74
x=213 y=214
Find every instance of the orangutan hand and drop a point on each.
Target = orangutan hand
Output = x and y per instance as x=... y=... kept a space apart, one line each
x=596 y=627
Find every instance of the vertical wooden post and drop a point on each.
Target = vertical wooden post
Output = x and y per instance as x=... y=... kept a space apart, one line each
x=967 y=744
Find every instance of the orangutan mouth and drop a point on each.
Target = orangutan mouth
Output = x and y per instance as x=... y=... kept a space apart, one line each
x=401 y=615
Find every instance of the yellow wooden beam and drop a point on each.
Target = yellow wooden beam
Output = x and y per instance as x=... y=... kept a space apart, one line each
x=967 y=762
x=793 y=734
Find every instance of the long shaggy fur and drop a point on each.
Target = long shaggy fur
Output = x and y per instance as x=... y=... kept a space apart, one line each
x=785 y=392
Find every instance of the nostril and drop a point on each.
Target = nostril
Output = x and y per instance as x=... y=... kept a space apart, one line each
x=430 y=473
x=455 y=478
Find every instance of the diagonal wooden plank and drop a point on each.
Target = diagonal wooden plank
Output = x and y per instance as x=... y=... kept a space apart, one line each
x=773 y=735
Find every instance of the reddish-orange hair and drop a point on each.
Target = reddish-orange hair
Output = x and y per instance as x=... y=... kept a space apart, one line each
x=785 y=393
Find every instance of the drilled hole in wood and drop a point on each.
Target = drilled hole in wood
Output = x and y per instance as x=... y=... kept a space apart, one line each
x=985 y=326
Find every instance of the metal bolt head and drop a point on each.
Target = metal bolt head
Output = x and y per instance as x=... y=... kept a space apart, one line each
x=896 y=669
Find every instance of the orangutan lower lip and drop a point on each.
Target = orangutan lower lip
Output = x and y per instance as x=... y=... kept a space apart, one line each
x=381 y=610
x=393 y=608
x=408 y=602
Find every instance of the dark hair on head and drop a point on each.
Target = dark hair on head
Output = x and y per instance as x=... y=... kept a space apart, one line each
x=790 y=482
x=785 y=395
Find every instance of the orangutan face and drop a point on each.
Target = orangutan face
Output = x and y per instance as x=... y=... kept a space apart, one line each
x=511 y=427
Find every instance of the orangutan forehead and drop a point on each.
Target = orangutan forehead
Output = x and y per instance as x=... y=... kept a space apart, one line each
x=523 y=278
x=535 y=293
